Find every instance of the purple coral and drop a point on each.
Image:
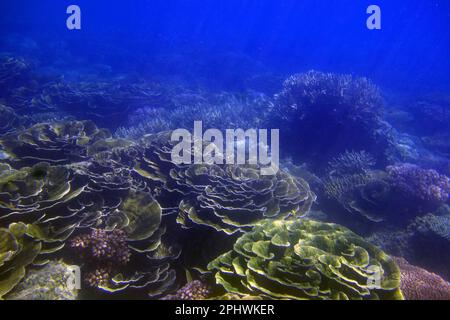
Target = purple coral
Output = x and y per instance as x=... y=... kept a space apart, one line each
x=419 y=284
x=102 y=245
x=104 y=252
x=418 y=183
x=194 y=290
x=99 y=276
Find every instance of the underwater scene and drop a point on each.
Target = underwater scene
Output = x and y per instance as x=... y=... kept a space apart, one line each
x=225 y=150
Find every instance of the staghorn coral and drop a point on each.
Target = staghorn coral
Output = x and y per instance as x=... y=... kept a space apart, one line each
x=194 y=290
x=350 y=107
x=48 y=283
x=104 y=246
x=425 y=187
x=56 y=143
x=419 y=284
x=366 y=195
x=305 y=259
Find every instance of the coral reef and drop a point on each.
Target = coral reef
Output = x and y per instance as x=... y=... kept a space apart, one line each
x=105 y=248
x=9 y=120
x=425 y=187
x=221 y=111
x=419 y=284
x=305 y=259
x=350 y=107
x=419 y=241
x=17 y=251
x=431 y=114
x=56 y=143
x=134 y=231
x=364 y=195
x=48 y=283
x=194 y=290
x=105 y=102
x=227 y=198
x=13 y=70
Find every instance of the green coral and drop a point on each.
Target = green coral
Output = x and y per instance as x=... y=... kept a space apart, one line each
x=17 y=251
x=56 y=143
x=305 y=259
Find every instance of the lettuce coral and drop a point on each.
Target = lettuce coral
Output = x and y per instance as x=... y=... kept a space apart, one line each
x=305 y=259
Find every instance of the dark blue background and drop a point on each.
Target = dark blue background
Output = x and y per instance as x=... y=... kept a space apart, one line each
x=411 y=52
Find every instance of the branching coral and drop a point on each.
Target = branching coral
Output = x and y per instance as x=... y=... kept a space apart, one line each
x=304 y=259
x=194 y=290
x=361 y=194
x=103 y=246
x=321 y=114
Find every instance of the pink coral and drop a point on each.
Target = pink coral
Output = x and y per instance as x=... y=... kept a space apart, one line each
x=104 y=251
x=194 y=290
x=422 y=184
x=419 y=284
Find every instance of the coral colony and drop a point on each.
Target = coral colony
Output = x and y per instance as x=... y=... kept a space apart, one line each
x=242 y=147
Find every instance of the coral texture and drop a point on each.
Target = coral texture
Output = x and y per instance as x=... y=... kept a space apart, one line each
x=350 y=107
x=194 y=290
x=419 y=284
x=420 y=184
x=305 y=259
x=48 y=283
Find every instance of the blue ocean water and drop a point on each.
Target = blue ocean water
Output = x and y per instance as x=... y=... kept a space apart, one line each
x=409 y=52
x=364 y=140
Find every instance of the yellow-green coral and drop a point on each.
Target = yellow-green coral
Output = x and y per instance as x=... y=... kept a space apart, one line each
x=17 y=251
x=305 y=259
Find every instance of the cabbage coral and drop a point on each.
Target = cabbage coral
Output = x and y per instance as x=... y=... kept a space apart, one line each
x=427 y=187
x=305 y=259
